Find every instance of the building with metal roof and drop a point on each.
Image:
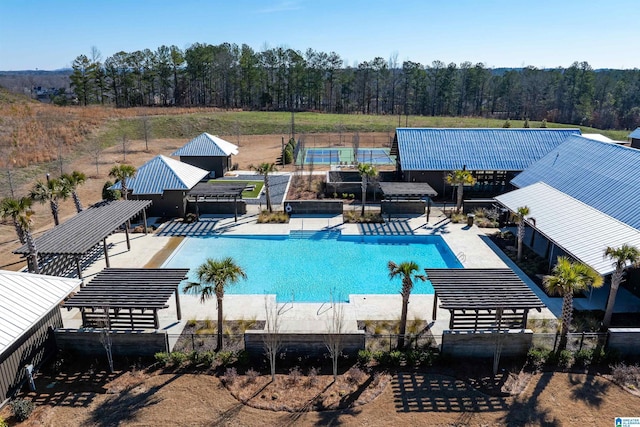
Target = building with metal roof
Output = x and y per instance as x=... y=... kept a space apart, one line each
x=208 y=152
x=29 y=307
x=494 y=156
x=599 y=174
x=635 y=138
x=166 y=182
x=567 y=226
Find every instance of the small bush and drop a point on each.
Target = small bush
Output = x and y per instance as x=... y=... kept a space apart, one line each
x=230 y=376
x=251 y=376
x=388 y=359
x=565 y=359
x=294 y=375
x=108 y=194
x=355 y=375
x=364 y=357
x=192 y=323
x=190 y=218
x=193 y=357
x=583 y=358
x=177 y=358
x=537 y=357
x=3 y=423
x=278 y=217
x=242 y=358
x=162 y=358
x=312 y=377
x=225 y=358
x=458 y=218
x=626 y=375
x=208 y=358
x=21 y=409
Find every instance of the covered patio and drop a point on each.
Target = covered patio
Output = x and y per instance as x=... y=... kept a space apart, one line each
x=406 y=193
x=78 y=239
x=128 y=298
x=218 y=191
x=482 y=298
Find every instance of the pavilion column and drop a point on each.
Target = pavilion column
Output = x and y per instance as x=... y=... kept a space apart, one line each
x=235 y=206
x=197 y=209
x=144 y=220
x=79 y=269
x=434 y=313
x=126 y=232
x=106 y=252
x=178 y=309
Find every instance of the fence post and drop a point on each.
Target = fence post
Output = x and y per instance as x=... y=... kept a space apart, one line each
x=581 y=341
x=555 y=342
x=193 y=343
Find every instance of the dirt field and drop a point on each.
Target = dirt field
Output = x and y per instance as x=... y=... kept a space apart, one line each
x=412 y=398
x=253 y=150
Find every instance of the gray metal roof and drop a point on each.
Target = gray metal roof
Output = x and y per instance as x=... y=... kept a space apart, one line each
x=86 y=229
x=25 y=298
x=129 y=288
x=163 y=173
x=602 y=175
x=580 y=230
x=475 y=149
x=206 y=145
x=481 y=288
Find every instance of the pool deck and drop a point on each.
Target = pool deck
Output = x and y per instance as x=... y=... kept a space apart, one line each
x=471 y=244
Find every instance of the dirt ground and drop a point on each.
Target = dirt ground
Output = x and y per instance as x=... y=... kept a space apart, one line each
x=253 y=150
x=409 y=398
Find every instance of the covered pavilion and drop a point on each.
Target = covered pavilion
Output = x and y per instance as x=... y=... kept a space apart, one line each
x=218 y=191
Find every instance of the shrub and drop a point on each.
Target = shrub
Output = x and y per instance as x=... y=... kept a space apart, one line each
x=194 y=357
x=626 y=375
x=190 y=218
x=225 y=358
x=294 y=375
x=3 y=423
x=242 y=357
x=312 y=377
x=458 y=218
x=177 y=358
x=388 y=359
x=565 y=359
x=364 y=357
x=583 y=358
x=412 y=357
x=208 y=358
x=21 y=409
x=354 y=375
x=230 y=376
x=108 y=194
x=162 y=358
x=537 y=357
x=251 y=376
x=192 y=323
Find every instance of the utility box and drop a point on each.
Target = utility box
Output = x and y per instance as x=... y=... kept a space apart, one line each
x=470 y=219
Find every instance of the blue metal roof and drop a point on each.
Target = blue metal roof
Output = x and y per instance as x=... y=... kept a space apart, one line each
x=206 y=145
x=635 y=134
x=476 y=149
x=163 y=173
x=600 y=174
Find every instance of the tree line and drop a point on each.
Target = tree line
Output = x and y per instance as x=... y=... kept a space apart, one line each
x=283 y=79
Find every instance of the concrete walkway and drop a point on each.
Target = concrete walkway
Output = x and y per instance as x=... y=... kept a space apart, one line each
x=471 y=245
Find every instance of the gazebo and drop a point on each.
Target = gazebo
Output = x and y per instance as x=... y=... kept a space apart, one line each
x=482 y=298
x=218 y=191
x=407 y=192
x=128 y=298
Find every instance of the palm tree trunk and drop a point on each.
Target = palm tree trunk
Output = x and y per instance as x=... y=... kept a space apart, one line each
x=267 y=193
x=125 y=190
x=567 y=315
x=54 y=211
x=19 y=230
x=459 y=202
x=33 y=252
x=76 y=201
x=219 y=339
x=403 y=321
x=520 y=239
x=616 y=278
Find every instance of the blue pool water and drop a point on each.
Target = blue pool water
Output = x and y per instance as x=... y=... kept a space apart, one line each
x=313 y=267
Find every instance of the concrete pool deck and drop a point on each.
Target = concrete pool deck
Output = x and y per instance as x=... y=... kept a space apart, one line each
x=470 y=244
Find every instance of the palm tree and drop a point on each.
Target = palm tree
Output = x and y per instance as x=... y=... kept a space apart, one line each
x=25 y=220
x=366 y=172
x=521 y=213
x=265 y=169
x=72 y=181
x=50 y=191
x=14 y=208
x=407 y=270
x=213 y=277
x=460 y=178
x=122 y=173
x=623 y=257
x=567 y=278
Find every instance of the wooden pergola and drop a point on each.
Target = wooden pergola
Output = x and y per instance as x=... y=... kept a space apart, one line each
x=207 y=190
x=128 y=298
x=408 y=191
x=83 y=232
x=482 y=298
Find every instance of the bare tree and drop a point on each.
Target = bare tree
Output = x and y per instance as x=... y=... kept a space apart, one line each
x=272 y=338
x=125 y=144
x=94 y=149
x=146 y=131
x=355 y=142
x=334 y=338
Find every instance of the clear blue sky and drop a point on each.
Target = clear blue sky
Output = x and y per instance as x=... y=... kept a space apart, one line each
x=50 y=34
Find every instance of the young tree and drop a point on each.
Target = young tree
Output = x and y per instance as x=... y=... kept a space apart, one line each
x=623 y=257
x=213 y=277
x=122 y=173
x=569 y=277
x=460 y=178
x=50 y=191
x=367 y=172
x=14 y=208
x=334 y=339
x=272 y=338
x=521 y=213
x=265 y=169
x=408 y=272
x=72 y=181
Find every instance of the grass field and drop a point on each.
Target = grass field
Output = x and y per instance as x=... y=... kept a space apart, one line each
x=246 y=193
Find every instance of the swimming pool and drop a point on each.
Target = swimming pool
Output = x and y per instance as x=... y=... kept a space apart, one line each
x=312 y=267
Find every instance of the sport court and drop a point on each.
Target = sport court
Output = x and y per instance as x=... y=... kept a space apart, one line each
x=344 y=156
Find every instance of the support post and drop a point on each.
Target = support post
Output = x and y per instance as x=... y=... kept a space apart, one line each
x=235 y=207
x=434 y=313
x=126 y=232
x=144 y=221
x=106 y=252
x=178 y=309
x=79 y=269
